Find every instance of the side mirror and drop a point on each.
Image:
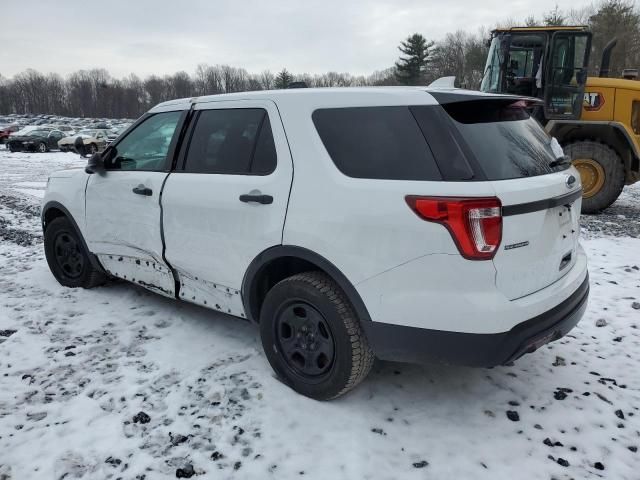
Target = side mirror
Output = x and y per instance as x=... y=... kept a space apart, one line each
x=95 y=164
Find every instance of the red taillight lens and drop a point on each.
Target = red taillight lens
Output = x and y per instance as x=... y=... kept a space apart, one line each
x=474 y=223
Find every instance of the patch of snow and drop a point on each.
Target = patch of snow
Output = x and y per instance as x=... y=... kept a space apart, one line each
x=30 y=191
x=79 y=366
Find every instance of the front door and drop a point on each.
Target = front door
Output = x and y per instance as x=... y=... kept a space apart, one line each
x=566 y=74
x=226 y=202
x=123 y=214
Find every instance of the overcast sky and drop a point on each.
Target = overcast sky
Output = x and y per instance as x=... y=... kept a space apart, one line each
x=159 y=36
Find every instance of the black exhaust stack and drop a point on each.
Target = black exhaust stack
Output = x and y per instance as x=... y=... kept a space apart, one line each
x=606 y=57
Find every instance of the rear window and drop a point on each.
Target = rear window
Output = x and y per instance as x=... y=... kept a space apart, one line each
x=504 y=141
x=376 y=143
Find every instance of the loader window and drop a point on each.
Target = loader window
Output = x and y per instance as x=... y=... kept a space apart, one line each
x=491 y=78
x=566 y=74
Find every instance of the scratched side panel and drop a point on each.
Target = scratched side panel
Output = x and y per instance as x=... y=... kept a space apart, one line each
x=211 y=295
x=157 y=277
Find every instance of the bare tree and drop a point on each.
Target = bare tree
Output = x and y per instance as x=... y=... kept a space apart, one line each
x=94 y=93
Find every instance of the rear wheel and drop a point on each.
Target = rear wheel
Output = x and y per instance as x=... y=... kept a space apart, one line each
x=67 y=258
x=13 y=148
x=312 y=337
x=601 y=172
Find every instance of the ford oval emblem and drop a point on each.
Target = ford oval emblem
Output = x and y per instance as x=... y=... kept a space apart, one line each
x=570 y=181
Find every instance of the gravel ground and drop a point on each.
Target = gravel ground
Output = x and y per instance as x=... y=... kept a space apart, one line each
x=620 y=219
x=117 y=382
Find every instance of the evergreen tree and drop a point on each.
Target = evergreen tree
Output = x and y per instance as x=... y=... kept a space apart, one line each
x=616 y=19
x=410 y=68
x=283 y=79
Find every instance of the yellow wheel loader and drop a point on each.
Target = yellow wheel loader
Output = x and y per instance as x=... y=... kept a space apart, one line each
x=595 y=119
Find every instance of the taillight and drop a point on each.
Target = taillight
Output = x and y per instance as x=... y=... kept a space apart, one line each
x=474 y=223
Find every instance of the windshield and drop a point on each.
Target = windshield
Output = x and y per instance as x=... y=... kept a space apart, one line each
x=491 y=78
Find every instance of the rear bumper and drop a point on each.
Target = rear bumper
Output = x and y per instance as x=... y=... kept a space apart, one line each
x=420 y=345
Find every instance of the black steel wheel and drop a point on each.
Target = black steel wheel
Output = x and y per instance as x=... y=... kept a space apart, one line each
x=312 y=336
x=67 y=256
x=304 y=337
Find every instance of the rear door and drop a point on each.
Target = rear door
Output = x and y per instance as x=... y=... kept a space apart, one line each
x=227 y=199
x=123 y=213
x=539 y=191
x=540 y=228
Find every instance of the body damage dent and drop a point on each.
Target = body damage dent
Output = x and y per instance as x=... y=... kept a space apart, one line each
x=400 y=265
x=126 y=267
x=211 y=295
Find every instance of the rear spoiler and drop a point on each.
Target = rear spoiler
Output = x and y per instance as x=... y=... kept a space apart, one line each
x=518 y=101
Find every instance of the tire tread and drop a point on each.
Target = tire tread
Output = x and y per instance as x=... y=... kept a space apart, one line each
x=362 y=356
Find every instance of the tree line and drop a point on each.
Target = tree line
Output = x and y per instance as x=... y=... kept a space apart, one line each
x=95 y=93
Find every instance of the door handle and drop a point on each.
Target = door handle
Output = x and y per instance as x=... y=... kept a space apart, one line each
x=263 y=199
x=142 y=190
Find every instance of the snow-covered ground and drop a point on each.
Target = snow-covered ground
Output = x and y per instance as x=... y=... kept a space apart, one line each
x=77 y=368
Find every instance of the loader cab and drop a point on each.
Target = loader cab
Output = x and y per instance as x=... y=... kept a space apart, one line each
x=549 y=63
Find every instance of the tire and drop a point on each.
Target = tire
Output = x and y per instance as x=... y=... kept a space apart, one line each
x=42 y=147
x=594 y=160
x=93 y=148
x=12 y=148
x=312 y=337
x=67 y=258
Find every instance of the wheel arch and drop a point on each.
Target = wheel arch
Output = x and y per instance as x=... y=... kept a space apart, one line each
x=52 y=210
x=279 y=262
x=613 y=134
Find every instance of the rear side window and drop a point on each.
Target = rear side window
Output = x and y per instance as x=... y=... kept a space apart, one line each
x=376 y=143
x=232 y=141
x=505 y=141
x=264 y=157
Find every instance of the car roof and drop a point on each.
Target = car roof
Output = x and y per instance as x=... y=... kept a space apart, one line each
x=337 y=96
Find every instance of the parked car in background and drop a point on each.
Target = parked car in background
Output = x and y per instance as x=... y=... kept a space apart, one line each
x=35 y=141
x=68 y=130
x=94 y=140
x=115 y=132
x=28 y=128
x=6 y=131
x=420 y=225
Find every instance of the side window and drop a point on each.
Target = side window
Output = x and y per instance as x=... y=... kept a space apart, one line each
x=146 y=147
x=264 y=158
x=232 y=141
x=376 y=143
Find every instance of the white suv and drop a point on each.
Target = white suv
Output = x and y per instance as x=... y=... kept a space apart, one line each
x=403 y=223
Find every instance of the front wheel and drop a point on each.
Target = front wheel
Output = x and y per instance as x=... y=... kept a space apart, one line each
x=42 y=147
x=93 y=148
x=67 y=258
x=601 y=173
x=312 y=337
